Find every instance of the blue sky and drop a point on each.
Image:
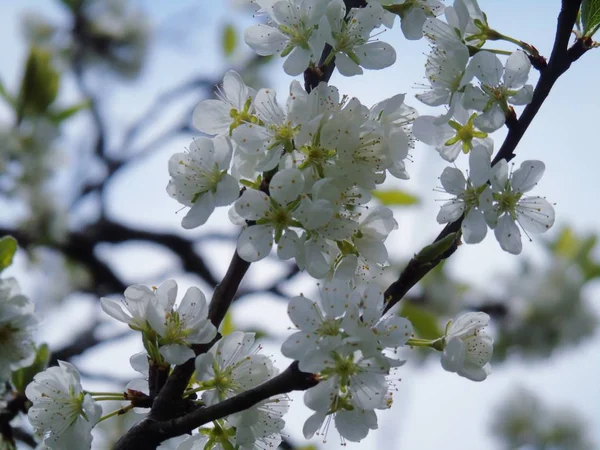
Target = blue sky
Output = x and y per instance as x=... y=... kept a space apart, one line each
x=564 y=136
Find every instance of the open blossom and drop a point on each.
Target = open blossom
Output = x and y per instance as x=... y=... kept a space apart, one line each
x=468 y=349
x=352 y=47
x=17 y=322
x=199 y=179
x=296 y=29
x=233 y=106
x=499 y=86
x=180 y=327
x=352 y=386
x=61 y=412
x=133 y=309
x=273 y=215
x=318 y=323
x=451 y=136
x=413 y=15
x=473 y=196
x=511 y=206
x=230 y=367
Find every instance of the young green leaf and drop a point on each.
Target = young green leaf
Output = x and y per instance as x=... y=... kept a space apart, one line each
x=8 y=248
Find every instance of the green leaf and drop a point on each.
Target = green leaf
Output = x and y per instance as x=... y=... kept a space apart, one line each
x=23 y=376
x=395 y=197
x=437 y=249
x=590 y=17
x=6 y=96
x=425 y=322
x=39 y=86
x=229 y=39
x=63 y=114
x=227 y=326
x=8 y=248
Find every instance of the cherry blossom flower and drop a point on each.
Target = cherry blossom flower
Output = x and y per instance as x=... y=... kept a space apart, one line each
x=511 y=206
x=62 y=412
x=468 y=349
x=200 y=179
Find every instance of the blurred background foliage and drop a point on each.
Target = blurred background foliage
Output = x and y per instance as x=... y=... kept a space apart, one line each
x=541 y=309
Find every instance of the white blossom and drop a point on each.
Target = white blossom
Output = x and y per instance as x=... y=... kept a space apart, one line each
x=511 y=206
x=273 y=214
x=499 y=86
x=62 y=412
x=230 y=367
x=297 y=29
x=468 y=349
x=450 y=137
x=319 y=323
x=17 y=322
x=180 y=327
x=473 y=196
x=233 y=106
x=137 y=302
x=351 y=42
x=200 y=179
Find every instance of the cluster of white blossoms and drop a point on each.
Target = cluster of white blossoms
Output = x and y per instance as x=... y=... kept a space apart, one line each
x=305 y=170
x=17 y=323
x=479 y=92
x=345 y=339
x=490 y=197
x=298 y=175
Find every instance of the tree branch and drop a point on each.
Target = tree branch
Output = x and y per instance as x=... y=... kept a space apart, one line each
x=150 y=433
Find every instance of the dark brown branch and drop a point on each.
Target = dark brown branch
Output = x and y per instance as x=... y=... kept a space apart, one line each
x=560 y=60
x=149 y=434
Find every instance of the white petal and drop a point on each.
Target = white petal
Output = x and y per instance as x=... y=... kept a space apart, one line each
x=453 y=181
x=426 y=129
x=252 y=205
x=468 y=324
x=236 y=90
x=451 y=211
x=523 y=96
x=516 y=70
x=212 y=117
x=255 y=242
x=286 y=185
x=312 y=424
x=487 y=67
x=200 y=211
x=376 y=55
x=228 y=191
x=267 y=108
x=176 y=354
x=354 y=425
x=346 y=66
x=474 y=227
x=412 y=23
x=508 y=235
x=265 y=40
x=297 y=61
x=474 y=98
x=114 y=309
x=527 y=176
x=479 y=166
x=250 y=138
x=222 y=151
x=304 y=313
x=453 y=357
x=535 y=214
x=491 y=120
